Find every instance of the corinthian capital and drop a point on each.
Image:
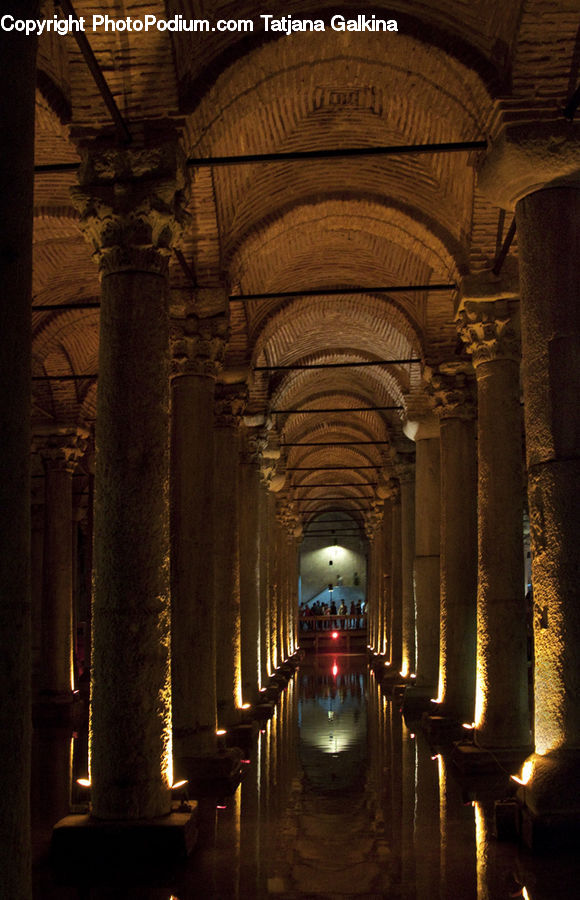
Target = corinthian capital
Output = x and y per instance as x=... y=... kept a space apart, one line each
x=131 y=201
x=61 y=448
x=229 y=405
x=490 y=330
x=198 y=345
x=374 y=518
x=452 y=395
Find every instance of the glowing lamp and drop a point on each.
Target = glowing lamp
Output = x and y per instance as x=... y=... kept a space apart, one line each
x=220 y=732
x=84 y=782
x=246 y=706
x=413 y=675
x=334 y=635
x=527 y=770
x=468 y=726
x=179 y=784
x=335 y=671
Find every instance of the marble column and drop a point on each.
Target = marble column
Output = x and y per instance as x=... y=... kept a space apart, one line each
x=60 y=451
x=427 y=549
x=393 y=550
x=453 y=399
x=17 y=107
x=273 y=585
x=130 y=202
x=502 y=719
x=250 y=486
x=373 y=521
x=406 y=476
x=197 y=348
x=548 y=224
x=36 y=564
x=230 y=402
x=265 y=596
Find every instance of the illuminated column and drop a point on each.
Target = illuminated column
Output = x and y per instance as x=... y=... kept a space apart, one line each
x=17 y=106
x=230 y=402
x=60 y=452
x=390 y=616
x=130 y=203
x=265 y=605
x=406 y=475
x=198 y=346
x=501 y=713
x=393 y=549
x=372 y=528
x=427 y=549
x=549 y=246
x=453 y=400
x=250 y=486
x=273 y=584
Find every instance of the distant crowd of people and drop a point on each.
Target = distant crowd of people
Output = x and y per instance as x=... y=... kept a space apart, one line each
x=343 y=617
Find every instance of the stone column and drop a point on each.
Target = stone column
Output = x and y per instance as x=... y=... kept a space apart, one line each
x=406 y=476
x=501 y=712
x=393 y=548
x=273 y=585
x=265 y=595
x=453 y=400
x=60 y=452
x=17 y=99
x=198 y=348
x=130 y=202
x=250 y=486
x=549 y=240
x=427 y=548
x=36 y=565
x=229 y=406
x=372 y=529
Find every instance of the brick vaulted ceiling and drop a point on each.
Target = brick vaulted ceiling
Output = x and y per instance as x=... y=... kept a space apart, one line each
x=302 y=226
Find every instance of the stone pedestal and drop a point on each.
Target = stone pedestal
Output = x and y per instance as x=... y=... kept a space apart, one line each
x=501 y=713
x=130 y=757
x=453 y=400
x=198 y=348
x=17 y=68
x=230 y=403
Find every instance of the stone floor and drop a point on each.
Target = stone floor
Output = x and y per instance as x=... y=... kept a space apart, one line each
x=339 y=800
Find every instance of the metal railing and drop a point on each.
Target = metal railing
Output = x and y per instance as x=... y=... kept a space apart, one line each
x=356 y=622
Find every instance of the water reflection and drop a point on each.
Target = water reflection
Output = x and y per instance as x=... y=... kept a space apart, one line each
x=340 y=799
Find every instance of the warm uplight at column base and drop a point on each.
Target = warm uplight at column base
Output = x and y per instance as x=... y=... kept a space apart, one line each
x=549 y=794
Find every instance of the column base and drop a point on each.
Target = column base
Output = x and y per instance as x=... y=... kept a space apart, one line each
x=417 y=700
x=473 y=760
x=550 y=799
x=55 y=708
x=441 y=729
x=210 y=775
x=82 y=843
x=243 y=736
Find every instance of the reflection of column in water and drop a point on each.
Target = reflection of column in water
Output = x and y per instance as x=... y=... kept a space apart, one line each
x=427 y=823
x=251 y=824
x=496 y=861
x=51 y=775
x=409 y=797
x=457 y=831
x=395 y=771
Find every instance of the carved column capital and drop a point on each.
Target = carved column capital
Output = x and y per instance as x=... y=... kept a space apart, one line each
x=490 y=330
x=60 y=449
x=289 y=518
x=374 y=518
x=198 y=345
x=229 y=405
x=132 y=201
x=452 y=395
